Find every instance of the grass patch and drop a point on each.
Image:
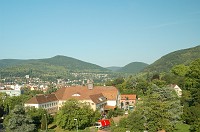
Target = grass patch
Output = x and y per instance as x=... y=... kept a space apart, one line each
x=54 y=128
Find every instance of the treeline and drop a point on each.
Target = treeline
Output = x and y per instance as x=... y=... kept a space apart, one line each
x=166 y=62
x=161 y=108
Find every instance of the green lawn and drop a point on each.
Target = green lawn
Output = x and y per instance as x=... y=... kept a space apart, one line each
x=182 y=128
x=53 y=128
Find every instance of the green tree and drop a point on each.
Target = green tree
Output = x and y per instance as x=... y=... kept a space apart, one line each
x=191 y=97
x=11 y=102
x=18 y=121
x=159 y=83
x=138 y=119
x=36 y=115
x=141 y=87
x=2 y=99
x=43 y=122
x=162 y=109
x=180 y=70
x=72 y=110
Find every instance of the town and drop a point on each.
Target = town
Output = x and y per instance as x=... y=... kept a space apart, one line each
x=52 y=96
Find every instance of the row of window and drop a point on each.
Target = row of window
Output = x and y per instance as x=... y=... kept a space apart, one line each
x=49 y=105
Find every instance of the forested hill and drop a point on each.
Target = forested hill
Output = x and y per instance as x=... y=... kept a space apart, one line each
x=73 y=64
x=165 y=63
x=55 y=66
x=113 y=68
x=134 y=67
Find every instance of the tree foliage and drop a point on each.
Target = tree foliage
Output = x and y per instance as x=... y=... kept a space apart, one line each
x=180 y=70
x=37 y=115
x=161 y=109
x=191 y=97
x=18 y=121
x=165 y=63
x=72 y=110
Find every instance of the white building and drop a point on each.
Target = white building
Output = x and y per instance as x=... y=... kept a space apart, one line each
x=177 y=89
x=47 y=102
x=99 y=97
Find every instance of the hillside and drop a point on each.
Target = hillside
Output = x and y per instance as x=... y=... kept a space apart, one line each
x=134 y=67
x=113 y=68
x=165 y=63
x=57 y=66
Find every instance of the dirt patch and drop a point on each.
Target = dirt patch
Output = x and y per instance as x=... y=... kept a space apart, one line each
x=117 y=119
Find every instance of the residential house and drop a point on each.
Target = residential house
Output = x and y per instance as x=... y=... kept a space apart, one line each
x=177 y=89
x=128 y=101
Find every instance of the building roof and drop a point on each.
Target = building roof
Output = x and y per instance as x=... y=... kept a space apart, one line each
x=107 y=107
x=128 y=96
x=83 y=93
x=98 y=98
x=40 y=99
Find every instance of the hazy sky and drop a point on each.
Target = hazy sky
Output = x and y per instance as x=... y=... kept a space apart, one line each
x=102 y=32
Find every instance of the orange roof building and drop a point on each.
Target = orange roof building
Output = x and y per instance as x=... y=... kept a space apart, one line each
x=97 y=97
x=127 y=100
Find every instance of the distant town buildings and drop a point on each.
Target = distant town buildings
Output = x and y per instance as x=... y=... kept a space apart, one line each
x=11 y=90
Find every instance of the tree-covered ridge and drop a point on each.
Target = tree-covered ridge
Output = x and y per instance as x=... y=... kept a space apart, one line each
x=113 y=68
x=57 y=66
x=133 y=67
x=73 y=64
x=165 y=63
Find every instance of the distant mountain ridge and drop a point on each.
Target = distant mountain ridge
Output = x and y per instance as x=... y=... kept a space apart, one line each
x=166 y=62
x=113 y=68
x=57 y=66
x=132 y=68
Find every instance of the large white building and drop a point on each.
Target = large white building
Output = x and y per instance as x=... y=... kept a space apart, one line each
x=98 y=97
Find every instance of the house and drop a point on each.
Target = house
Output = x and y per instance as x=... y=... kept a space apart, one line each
x=127 y=101
x=177 y=89
x=48 y=102
x=98 y=97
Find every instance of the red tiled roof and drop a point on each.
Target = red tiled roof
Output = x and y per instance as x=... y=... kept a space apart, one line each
x=40 y=99
x=128 y=96
x=98 y=98
x=66 y=93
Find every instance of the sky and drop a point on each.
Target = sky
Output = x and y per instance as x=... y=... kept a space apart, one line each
x=102 y=32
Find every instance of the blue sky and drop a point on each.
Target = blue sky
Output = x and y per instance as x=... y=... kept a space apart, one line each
x=102 y=32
